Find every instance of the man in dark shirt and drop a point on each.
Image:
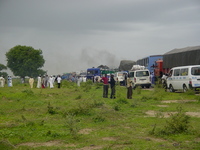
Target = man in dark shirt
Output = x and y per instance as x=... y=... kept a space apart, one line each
x=112 y=86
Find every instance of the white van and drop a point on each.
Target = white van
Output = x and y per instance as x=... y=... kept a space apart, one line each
x=140 y=78
x=184 y=78
x=120 y=77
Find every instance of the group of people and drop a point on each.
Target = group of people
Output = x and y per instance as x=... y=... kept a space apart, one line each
x=46 y=81
x=49 y=81
x=112 y=82
x=2 y=81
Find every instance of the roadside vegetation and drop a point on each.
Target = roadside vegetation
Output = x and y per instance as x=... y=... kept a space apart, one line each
x=78 y=118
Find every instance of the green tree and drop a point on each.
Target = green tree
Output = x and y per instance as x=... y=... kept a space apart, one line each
x=3 y=67
x=25 y=61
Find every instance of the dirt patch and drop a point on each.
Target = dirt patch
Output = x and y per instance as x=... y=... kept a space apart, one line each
x=50 y=143
x=162 y=105
x=178 y=101
x=91 y=147
x=152 y=113
x=85 y=131
x=197 y=140
x=193 y=114
x=109 y=139
x=155 y=139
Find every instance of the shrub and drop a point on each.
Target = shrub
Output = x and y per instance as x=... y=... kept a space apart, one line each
x=72 y=125
x=28 y=92
x=51 y=110
x=87 y=85
x=116 y=107
x=6 y=145
x=78 y=97
x=80 y=109
x=177 y=123
x=122 y=101
x=99 y=119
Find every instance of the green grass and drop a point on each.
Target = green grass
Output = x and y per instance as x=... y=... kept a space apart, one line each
x=79 y=118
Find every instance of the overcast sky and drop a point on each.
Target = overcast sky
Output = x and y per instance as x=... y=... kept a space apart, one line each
x=77 y=34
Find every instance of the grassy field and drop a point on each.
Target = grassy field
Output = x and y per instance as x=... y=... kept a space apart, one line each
x=78 y=118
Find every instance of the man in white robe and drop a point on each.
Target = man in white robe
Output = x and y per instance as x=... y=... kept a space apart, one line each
x=39 y=82
x=51 y=82
x=31 y=81
x=1 y=81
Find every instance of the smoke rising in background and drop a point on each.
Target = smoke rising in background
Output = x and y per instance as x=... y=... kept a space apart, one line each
x=88 y=58
x=94 y=58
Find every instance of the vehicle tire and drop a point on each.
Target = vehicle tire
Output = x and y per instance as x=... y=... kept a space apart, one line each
x=185 y=89
x=171 y=89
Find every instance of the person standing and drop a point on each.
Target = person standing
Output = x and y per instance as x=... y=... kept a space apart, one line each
x=129 y=87
x=39 y=82
x=152 y=76
x=9 y=81
x=59 y=81
x=105 y=86
x=78 y=81
x=46 y=80
x=112 y=86
x=2 y=81
x=31 y=81
x=51 y=82
x=43 y=82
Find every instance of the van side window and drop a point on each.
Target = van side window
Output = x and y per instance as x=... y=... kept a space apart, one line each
x=176 y=72
x=195 y=71
x=184 y=72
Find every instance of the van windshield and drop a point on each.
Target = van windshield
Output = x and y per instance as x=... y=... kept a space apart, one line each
x=142 y=73
x=195 y=71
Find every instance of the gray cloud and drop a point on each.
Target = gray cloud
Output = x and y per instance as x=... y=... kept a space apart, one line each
x=69 y=31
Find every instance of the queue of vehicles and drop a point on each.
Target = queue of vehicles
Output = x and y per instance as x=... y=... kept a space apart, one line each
x=181 y=67
x=179 y=78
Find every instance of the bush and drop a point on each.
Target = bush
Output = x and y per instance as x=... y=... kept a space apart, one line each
x=51 y=109
x=87 y=85
x=28 y=92
x=177 y=123
x=72 y=125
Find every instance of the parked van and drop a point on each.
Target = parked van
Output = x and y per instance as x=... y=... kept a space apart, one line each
x=140 y=78
x=120 y=77
x=184 y=78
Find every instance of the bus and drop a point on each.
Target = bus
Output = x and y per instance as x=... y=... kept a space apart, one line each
x=92 y=72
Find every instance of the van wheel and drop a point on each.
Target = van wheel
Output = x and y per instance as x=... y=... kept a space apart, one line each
x=171 y=89
x=185 y=89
